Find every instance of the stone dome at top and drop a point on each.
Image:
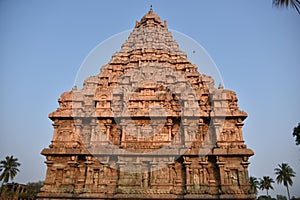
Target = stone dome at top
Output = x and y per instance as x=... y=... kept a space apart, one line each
x=151 y=33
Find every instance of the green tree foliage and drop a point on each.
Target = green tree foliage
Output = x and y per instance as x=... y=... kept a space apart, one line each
x=32 y=189
x=265 y=183
x=264 y=197
x=284 y=175
x=8 y=169
x=288 y=3
x=281 y=197
x=296 y=133
x=253 y=184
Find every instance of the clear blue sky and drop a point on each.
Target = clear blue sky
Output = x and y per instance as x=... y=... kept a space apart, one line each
x=254 y=45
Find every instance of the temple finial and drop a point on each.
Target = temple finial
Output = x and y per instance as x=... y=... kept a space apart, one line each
x=151 y=10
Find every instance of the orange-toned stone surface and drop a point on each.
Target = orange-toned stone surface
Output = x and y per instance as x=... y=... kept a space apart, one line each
x=148 y=126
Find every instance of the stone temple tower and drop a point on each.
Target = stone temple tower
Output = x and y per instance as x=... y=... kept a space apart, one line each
x=148 y=126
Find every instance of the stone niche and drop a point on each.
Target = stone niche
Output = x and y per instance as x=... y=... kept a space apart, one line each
x=148 y=126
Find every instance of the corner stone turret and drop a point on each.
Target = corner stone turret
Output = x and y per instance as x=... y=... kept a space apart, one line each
x=148 y=126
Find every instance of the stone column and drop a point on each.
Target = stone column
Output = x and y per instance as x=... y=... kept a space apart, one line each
x=138 y=132
x=72 y=166
x=169 y=125
x=153 y=166
x=102 y=135
x=218 y=128
x=50 y=175
x=154 y=127
x=239 y=125
x=138 y=177
x=121 y=182
x=78 y=126
x=204 y=164
x=221 y=164
x=201 y=131
x=245 y=164
x=122 y=128
x=108 y=127
x=188 y=183
x=94 y=137
x=88 y=174
x=185 y=132
x=55 y=133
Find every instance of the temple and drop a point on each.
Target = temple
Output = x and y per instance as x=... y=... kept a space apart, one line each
x=148 y=126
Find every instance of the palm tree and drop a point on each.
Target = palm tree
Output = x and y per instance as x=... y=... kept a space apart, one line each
x=293 y=3
x=266 y=183
x=284 y=175
x=296 y=133
x=253 y=184
x=9 y=166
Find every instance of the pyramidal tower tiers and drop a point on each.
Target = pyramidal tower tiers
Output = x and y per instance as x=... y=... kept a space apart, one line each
x=148 y=126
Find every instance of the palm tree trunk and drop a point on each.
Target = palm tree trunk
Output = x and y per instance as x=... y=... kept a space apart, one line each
x=1 y=188
x=267 y=193
x=288 y=191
